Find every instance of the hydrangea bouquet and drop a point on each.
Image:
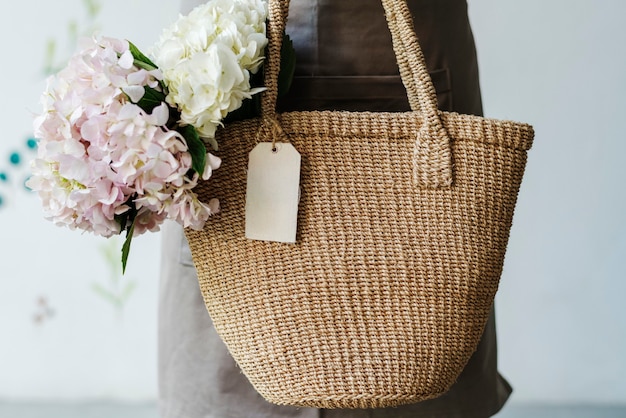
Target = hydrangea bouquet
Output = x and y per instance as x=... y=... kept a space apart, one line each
x=122 y=136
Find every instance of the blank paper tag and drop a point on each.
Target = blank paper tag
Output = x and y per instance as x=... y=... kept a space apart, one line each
x=273 y=192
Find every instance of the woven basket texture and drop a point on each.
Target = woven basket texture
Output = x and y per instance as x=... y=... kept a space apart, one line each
x=384 y=296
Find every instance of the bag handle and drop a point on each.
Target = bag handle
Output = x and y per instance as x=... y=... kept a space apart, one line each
x=432 y=154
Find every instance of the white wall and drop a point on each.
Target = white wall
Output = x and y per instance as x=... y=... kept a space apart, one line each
x=561 y=65
x=558 y=64
x=87 y=349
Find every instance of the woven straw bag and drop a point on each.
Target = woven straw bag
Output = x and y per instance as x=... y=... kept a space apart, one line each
x=403 y=224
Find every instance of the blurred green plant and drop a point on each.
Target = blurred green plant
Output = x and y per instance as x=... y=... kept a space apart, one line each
x=14 y=169
x=52 y=63
x=117 y=290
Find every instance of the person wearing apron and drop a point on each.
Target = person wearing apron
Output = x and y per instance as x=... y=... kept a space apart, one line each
x=345 y=61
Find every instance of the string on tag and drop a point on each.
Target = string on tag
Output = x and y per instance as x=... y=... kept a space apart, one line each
x=270 y=126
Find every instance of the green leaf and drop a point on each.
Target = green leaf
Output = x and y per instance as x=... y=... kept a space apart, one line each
x=151 y=99
x=126 y=246
x=140 y=59
x=197 y=149
x=128 y=216
x=287 y=65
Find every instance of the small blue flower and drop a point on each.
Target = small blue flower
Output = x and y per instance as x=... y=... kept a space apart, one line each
x=3 y=177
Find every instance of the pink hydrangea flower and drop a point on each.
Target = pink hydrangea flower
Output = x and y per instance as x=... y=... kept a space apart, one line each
x=101 y=155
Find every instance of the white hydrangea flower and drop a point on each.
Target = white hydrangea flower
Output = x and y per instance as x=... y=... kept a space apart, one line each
x=207 y=56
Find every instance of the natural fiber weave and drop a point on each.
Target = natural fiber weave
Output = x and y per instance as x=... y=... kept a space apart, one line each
x=385 y=295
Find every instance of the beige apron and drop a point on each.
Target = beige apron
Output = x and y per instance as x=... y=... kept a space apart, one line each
x=344 y=61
